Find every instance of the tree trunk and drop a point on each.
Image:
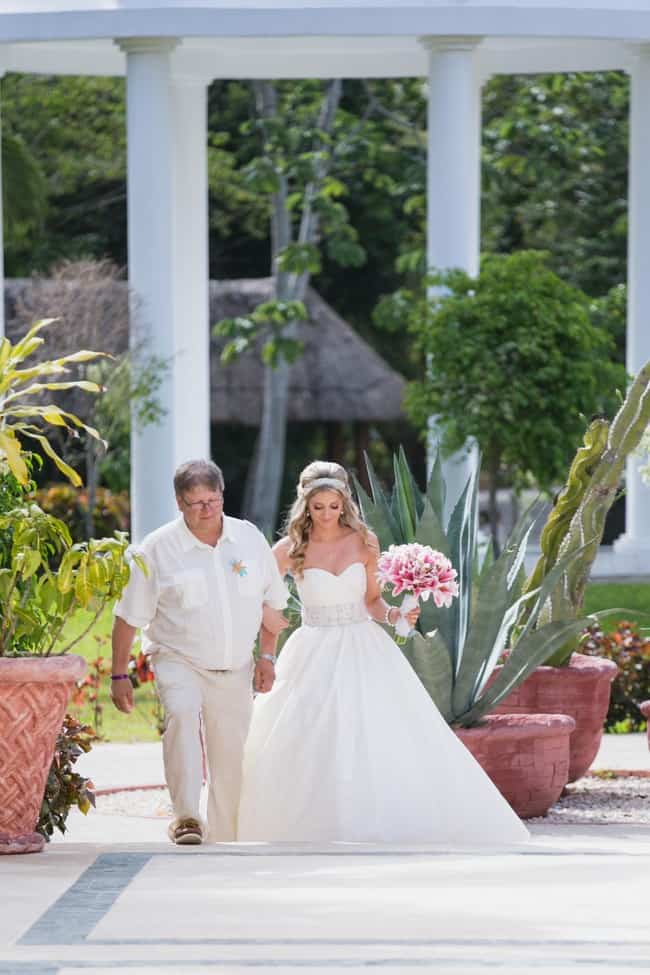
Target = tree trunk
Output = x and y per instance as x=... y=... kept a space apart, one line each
x=270 y=452
x=92 y=474
x=361 y=445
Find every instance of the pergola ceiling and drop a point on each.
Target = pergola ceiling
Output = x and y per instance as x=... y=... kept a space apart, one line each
x=320 y=57
x=320 y=38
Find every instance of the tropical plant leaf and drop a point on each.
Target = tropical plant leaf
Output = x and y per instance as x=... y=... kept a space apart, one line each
x=11 y=447
x=436 y=489
x=430 y=658
x=380 y=500
x=497 y=594
x=375 y=516
x=537 y=647
x=404 y=503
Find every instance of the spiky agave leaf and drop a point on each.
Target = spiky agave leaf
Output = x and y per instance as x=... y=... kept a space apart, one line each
x=375 y=515
x=498 y=593
x=386 y=519
x=437 y=489
x=430 y=658
x=534 y=650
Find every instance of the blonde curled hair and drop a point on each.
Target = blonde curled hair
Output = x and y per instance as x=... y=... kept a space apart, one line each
x=320 y=475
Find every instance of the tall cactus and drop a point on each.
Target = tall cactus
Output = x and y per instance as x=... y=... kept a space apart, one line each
x=586 y=528
x=568 y=502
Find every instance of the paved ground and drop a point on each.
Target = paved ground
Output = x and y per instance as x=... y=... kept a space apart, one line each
x=115 y=897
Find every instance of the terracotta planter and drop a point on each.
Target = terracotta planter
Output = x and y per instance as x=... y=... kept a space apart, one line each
x=581 y=690
x=645 y=711
x=34 y=692
x=525 y=755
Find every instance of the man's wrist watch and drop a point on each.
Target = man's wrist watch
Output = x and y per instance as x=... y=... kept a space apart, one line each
x=268 y=656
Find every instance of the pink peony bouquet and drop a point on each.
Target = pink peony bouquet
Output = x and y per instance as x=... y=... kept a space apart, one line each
x=419 y=571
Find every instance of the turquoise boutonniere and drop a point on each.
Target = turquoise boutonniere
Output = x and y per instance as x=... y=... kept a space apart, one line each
x=238 y=568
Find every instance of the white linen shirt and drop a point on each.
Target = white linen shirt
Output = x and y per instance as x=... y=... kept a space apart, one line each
x=200 y=601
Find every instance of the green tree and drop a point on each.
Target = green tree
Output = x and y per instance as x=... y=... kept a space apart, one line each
x=555 y=166
x=74 y=128
x=515 y=362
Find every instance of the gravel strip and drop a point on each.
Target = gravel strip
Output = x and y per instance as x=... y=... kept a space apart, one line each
x=620 y=799
x=624 y=799
x=147 y=803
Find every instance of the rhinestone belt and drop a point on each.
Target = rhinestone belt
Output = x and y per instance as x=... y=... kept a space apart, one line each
x=337 y=615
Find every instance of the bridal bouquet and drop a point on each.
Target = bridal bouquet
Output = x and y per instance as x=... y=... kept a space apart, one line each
x=420 y=571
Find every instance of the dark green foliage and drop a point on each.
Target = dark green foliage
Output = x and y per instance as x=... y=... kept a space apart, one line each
x=631 y=653
x=516 y=362
x=65 y=788
x=555 y=157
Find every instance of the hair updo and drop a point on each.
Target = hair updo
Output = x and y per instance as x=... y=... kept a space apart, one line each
x=298 y=525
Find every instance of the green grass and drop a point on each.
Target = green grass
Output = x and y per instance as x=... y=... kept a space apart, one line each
x=140 y=724
x=631 y=598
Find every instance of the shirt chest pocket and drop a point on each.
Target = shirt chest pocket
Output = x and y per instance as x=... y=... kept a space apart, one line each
x=248 y=578
x=187 y=589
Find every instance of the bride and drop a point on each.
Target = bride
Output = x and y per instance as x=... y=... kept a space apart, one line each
x=348 y=745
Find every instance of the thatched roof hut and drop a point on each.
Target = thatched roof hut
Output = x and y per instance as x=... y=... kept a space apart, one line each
x=338 y=378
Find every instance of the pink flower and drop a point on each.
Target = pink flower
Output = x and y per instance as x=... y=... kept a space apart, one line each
x=418 y=569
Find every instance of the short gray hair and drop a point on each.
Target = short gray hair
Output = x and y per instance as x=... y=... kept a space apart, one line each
x=195 y=473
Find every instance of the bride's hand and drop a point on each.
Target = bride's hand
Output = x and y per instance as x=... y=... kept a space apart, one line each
x=413 y=616
x=273 y=620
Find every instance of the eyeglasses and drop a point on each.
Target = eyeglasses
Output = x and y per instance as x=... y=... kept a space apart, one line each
x=208 y=505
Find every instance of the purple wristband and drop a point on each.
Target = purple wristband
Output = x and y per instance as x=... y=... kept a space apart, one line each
x=120 y=677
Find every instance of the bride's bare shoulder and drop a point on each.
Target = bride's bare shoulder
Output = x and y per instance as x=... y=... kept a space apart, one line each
x=372 y=545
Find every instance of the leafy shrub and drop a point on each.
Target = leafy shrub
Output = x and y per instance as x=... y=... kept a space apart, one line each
x=66 y=788
x=631 y=653
x=70 y=504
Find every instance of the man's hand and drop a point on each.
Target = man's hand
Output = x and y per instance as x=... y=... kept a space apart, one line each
x=264 y=676
x=122 y=695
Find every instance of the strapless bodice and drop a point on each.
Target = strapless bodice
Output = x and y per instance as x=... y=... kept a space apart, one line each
x=333 y=600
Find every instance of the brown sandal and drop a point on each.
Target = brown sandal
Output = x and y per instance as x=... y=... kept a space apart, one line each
x=186 y=832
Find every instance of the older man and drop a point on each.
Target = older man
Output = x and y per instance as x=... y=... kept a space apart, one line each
x=200 y=607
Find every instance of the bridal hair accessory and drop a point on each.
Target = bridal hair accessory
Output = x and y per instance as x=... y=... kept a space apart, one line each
x=420 y=572
x=327 y=482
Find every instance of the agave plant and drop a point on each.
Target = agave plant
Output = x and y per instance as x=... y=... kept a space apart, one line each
x=454 y=651
x=21 y=417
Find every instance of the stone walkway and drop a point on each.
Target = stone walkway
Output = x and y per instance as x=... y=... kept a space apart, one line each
x=115 y=897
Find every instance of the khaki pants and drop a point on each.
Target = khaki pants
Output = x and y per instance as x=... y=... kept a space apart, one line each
x=224 y=700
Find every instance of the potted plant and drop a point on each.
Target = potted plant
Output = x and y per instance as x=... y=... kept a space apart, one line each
x=455 y=651
x=45 y=580
x=570 y=682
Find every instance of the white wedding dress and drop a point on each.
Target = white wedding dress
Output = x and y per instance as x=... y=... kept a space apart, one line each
x=349 y=746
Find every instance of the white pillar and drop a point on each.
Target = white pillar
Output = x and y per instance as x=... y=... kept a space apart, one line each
x=150 y=210
x=191 y=314
x=634 y=546
x=454 y=187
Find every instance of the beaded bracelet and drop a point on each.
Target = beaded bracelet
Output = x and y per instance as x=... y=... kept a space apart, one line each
x=386 y=617
x=120 y=677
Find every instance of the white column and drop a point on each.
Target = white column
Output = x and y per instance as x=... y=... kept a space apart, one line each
x=191 y=314
x=151 y=250
x=454 y=186
x=634 y=546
